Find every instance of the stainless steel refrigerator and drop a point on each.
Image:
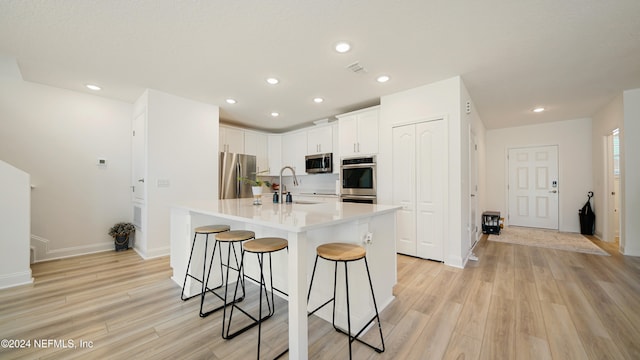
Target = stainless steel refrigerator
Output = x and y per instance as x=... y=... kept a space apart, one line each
x=233 y=166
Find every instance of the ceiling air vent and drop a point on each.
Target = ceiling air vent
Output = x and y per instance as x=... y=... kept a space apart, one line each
x=357 y=68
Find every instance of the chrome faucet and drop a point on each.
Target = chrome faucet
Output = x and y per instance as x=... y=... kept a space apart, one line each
x=295 y=181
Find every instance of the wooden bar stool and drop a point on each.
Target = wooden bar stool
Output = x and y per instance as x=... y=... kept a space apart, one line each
x=345 y=253
x=202 y=230
x=259 y=247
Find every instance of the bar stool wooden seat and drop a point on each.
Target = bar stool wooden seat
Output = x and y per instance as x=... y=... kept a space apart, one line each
x=202 y=230
x=345 y=253
x=260 y=247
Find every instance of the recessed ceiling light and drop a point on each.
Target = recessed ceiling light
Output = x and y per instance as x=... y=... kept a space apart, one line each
x=383 y=78
x=318 y=100
x=93 y=87
x=272 y=81
x=231 y=101
x=275 y=114
x=538 y=109
x=342 y=47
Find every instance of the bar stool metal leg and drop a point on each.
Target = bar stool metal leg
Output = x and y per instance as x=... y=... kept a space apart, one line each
x=204 y=230
x=260 y=247
x=336 y=257
x=230 y=238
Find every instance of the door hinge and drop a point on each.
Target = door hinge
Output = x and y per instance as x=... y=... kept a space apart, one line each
x=476 y=146
x=134 y=133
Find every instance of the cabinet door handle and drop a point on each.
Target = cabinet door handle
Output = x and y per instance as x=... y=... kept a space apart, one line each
x=141 y=180
x=354 y=147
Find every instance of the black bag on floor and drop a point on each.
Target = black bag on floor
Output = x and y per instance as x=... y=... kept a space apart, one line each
x=587 y=217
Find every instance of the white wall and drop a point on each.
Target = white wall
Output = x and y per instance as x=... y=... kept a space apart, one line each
x=604 y=122
x=14 y=226
x=630 y=174
x=573 y=138
x=57 y=136
x=438 y=100
x=471 y=123
x=182 y=147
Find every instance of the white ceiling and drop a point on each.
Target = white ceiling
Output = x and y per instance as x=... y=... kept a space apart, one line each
x=571 y=56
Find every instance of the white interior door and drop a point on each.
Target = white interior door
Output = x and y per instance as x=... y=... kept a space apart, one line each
x=612 y=153
x=431 y=170
x=533 y=187
x=404 y=159
x=474 y=228
x=139 y=157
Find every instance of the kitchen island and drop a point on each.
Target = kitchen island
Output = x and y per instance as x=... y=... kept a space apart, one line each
x=305 y=226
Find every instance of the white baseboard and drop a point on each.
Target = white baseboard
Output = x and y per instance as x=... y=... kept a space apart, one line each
x=15 y=279
x=456 y=262
x=629 y=251
x=154 y=253
x=41 y=251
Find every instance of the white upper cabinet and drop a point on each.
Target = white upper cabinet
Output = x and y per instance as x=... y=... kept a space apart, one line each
x=294 y=148
x=320 y=140
x=358 y=132
x=336 y=155
x=274 y=153
x=231 y=140
x=256 y=144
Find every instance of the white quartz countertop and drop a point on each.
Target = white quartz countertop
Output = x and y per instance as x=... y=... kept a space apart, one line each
x=289 y=217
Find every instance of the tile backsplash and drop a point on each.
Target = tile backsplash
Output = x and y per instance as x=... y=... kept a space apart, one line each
x=317 y=183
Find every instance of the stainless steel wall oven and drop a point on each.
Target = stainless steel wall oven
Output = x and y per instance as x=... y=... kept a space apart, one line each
x=358 y=179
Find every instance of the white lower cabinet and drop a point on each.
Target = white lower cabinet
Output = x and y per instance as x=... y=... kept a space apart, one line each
x=419 y=186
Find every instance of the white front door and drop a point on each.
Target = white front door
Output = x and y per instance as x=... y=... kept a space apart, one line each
x=533 y=187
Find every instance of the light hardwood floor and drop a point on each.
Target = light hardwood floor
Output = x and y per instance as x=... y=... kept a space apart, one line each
x=516 y=302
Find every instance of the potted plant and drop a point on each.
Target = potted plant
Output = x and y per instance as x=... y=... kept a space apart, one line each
x=120 y=233
x=256 y=187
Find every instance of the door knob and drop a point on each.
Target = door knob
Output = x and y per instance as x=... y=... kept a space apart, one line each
x=141 y=180
x=553 y=191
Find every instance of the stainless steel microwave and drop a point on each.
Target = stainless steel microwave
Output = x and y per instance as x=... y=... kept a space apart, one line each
x=319 y=163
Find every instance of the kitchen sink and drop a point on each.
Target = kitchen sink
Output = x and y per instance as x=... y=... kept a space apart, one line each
x=305 y=202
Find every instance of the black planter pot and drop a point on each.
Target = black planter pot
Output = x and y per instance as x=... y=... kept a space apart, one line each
x=122 y=242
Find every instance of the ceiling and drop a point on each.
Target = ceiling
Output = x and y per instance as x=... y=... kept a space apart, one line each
x=570 y=56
